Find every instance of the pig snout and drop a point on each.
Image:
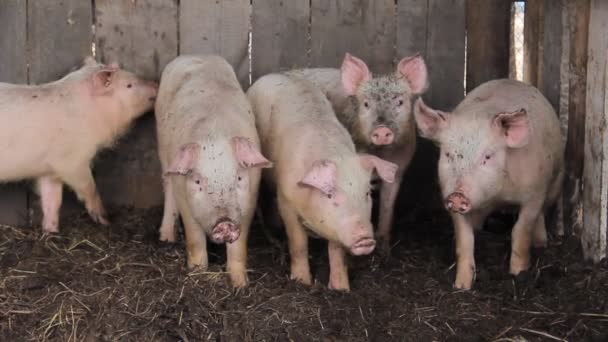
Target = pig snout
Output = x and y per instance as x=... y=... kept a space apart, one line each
x=457 y=202
x=363 y=246
x=382 y=135
x=225 y=231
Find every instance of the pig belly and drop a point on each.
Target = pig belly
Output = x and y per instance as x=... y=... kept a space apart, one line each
x=22 y=158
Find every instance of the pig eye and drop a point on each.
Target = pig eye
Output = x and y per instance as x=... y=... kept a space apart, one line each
x=330 y=196
x=366 y=104
x=197 y=181
x=129 y=85
x=239 y=178
x=488 y=157
x=400 y=103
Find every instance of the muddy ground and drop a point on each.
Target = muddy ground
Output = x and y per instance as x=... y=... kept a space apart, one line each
x=118 y=283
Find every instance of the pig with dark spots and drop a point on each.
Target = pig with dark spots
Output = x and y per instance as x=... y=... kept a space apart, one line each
x=501 y=146
x=209 y=151
x=322 y=184
x=377 y=111
x=51 y=132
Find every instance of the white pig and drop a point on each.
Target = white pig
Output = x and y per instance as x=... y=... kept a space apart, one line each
x=501 y=145
x=208 y=148
x=51 y=132
x=321 y=183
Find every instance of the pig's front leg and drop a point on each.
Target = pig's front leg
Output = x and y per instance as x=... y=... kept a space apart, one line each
x=196 y=240
x=298 y=243
x=51 y=191
x=167 y=227
x=338 y=271
x=236 y=263
x=521 y=236
x=81 y=181
x=465 y=251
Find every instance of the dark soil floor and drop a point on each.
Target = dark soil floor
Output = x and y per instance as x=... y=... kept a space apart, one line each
x=118 y=283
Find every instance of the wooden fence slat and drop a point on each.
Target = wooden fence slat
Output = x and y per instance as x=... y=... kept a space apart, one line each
x=445 y=53
x=533 y=37
x=552 y=52
x=13 y=53
x=13 y=69
x=217 y=27
x=595 y=196
x=488 y=24
x=142 y=36
x=411 y=27
x=279 y=36
x=364 y=28
x=59 y=37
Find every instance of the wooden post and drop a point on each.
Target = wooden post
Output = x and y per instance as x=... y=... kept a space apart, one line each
x=595 y=195
x=552 y=51
x=487 y=41
x=533 y=37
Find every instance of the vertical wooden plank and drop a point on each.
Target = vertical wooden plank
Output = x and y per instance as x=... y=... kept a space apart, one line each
x=552 y=52
x=364 y=28
x=532 y=40
x=13 y=69
x=487 y=40
x=595 y=196
x=279 y=36
x=575 y=140
x=142 y=36
x=217 y=27
x=13 y=53
x=411 y=27
x=59 y=37
x=445 y=53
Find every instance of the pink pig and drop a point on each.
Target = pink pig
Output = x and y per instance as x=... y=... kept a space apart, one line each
x=501 y=145
x=51 y=132
x=208 y=148
x=377 y=111
x=322 y=184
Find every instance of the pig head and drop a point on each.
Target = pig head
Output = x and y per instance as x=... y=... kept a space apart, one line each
x=383 y=105
x=473 y=152
x=336 y=202
x=216 y=182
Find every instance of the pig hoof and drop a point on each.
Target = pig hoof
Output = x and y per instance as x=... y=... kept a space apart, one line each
x=166 y=237
x=305 y=279
x=339 y=287
x=462 y=285
x=239 y=280
x=50 y=229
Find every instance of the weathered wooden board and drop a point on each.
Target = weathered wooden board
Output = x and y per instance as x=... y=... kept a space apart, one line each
x=533 y=37
x=595 y=196
x=13 y=69
x=364 y=28
x=279 y=36
x=13 y=49
x=445 y=53
x=575 y=141
x=411 y=27
x=59 y=37
x=488 y=24
x=142 y=36
x=552 y=52
x=217 y=27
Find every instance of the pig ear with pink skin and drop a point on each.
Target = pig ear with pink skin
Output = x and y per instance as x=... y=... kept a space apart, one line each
x=102 y=81
x=385 y=169
x=414 y=70
x=248 y=155
x=354 y=73
x=515 y=127
x=185 y=159
x=429 y=121
x=322 y=176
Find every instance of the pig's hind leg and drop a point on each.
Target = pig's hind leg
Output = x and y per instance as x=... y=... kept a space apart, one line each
x=50 y=189
x=81 y=181
x=522 y=234
x=298 y=243
x=167 y=227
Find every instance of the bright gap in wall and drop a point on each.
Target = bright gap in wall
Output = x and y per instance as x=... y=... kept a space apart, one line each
x=516 y=58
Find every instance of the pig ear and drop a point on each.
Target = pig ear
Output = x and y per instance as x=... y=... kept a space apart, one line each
x=185 y=159
x=385 y=169
x=248 y=155
x=102 y=81
x=429 y=121
x=414 y=70
x=89 y=61
x=322 y=176
x=354 y=72
x=515 y=126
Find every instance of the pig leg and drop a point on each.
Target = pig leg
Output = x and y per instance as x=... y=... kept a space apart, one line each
x=236 y=252
x=81 y=181
x=338 y=271
x=298 y=244
x=521 y=237
x=539 y=238
x=465 y=251
x=51 y=191
x=167 y=227
x=196 y=241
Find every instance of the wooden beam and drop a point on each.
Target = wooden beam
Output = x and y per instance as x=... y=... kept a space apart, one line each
x=552 y=51
x=595 y=173
x=533 y=37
